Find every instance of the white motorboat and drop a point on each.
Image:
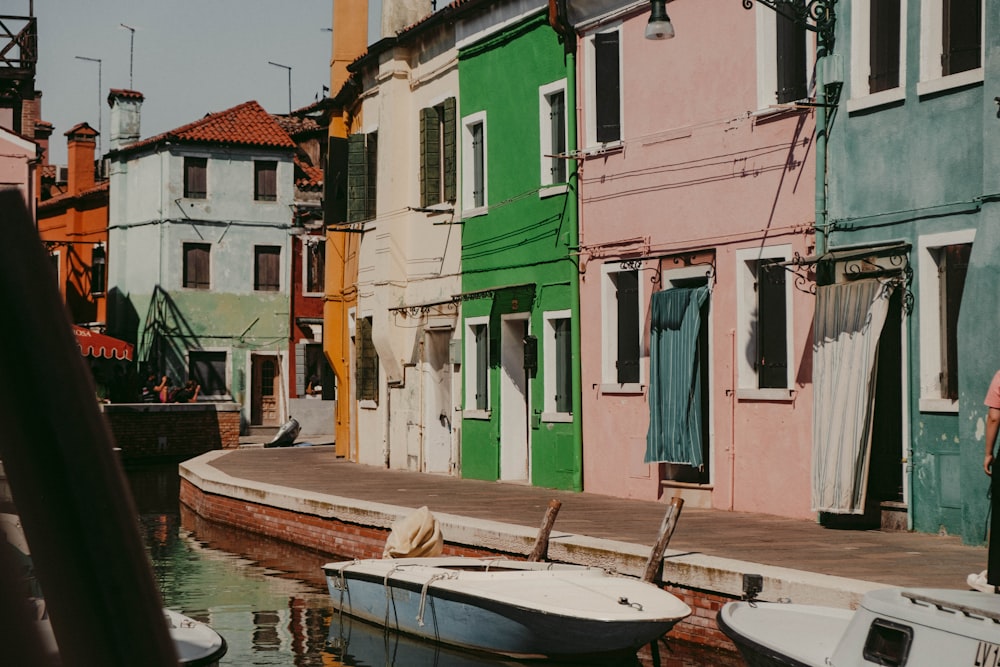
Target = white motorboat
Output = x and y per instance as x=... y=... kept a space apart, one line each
x=516 y=609
x=901 y=627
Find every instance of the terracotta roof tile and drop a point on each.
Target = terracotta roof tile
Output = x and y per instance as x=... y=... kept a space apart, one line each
x=294 y=124
x=65 y=197
x=125 y=93
x=244 y=125
x=307 y=175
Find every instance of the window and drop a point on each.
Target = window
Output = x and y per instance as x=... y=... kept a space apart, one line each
x=477 y=364
x=208 y=369
x=878 y=51
x=474 y=170
x=944 y=262
x=558 y=351
x=367 y=361
x=790 y=56
x=784 y=57
x=951 y=44
x=763 y=301
x=195 y=177
x=603 y=94
x=267 y=268
x=362 y=176
x=622 y=326
x=265 y=180
x=314 y=377
x=98 y=270
x=552 y=126
x=437 y=153
x=314 y=264
x=197 y=264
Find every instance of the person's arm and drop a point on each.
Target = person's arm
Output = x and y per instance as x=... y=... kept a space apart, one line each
x=992 y=427
x=194 y=396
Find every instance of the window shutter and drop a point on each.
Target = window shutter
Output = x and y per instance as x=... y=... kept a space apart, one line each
x=367 y=362
x=628 y=326
x=962 y=38
x=196 y=265
x=265 y=180
x=884 y=45
x=557 y=118
x=372 y=176
x=953 y=267
x=772 y=344
x=791 y=60
x=430 y=157
x=478 y=166
x=335 y=181
x=195 y=179
x=267 y=270
x=482 y=367
x=450 y=150
x=564 y=368
x=357 y=178
x=607 y=87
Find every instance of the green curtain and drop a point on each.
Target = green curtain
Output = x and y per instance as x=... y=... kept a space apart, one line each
x=674 y=434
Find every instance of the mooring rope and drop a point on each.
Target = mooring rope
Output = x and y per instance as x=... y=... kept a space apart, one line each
x=423 y=597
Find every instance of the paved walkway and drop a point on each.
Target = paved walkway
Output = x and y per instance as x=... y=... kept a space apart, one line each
x=901 y=559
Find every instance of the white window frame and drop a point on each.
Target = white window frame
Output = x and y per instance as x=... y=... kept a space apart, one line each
x=767 y=64
x=590 y=90
x=861 y=59
x=930 y=318
x=747 y=386
x=549 y=186
x=470 y=368
x=307 y=241
x=609 y=332
x=549 y=411
x=469 y=209
x=931 y=36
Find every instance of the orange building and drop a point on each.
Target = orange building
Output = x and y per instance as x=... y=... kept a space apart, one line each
x=350 y=28
x=74 y=227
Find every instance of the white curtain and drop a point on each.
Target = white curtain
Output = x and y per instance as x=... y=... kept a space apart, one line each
x=846 y=329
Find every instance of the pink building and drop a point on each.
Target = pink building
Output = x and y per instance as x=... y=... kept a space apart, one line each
x=697 y=182
x=18 y=162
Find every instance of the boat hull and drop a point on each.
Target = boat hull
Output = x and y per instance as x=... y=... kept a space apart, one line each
x=892 y=626
x=528 y=611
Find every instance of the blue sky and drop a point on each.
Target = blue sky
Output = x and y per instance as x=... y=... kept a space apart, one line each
x=190 y=57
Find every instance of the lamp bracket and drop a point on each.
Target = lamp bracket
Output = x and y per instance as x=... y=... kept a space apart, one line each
x=815 y=15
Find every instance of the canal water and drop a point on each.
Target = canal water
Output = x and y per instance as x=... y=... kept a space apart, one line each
x=269 y=599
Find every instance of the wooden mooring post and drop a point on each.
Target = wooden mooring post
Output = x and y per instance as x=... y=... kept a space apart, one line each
x=666 y=531
x=541 y=550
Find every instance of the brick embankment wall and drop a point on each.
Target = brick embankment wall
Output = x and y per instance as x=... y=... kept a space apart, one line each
x=352 y=540
x=172 y=430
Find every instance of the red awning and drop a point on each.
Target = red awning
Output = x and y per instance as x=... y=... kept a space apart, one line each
x=93 y=344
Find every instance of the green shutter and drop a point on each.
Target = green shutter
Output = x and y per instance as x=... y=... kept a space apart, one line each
x=357 y=178
x=564 y=365
x=430 y=157
x=372 y=176
x=450 y=150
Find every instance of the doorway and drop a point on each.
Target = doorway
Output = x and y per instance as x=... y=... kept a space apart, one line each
x=514 y=434
x=437 y=379
x=264 y=390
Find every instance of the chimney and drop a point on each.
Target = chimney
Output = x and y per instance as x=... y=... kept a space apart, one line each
x=81 y=142
x=126 y=107
x=399 y=14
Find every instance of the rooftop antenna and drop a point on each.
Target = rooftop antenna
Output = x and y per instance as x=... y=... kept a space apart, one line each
x=131 y=51
x=99 y=105
x=289 y=83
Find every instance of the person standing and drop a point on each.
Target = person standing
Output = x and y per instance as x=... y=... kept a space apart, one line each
x=989 y=579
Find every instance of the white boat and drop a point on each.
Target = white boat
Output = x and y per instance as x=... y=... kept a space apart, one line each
x=901 y=627
x=196 y=643
x=517 y=609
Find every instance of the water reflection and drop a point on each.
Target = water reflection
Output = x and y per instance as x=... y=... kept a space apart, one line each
x=269 y=598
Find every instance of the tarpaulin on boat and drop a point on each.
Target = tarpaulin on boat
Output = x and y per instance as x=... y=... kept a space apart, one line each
x=93 y=344
x=674 y=434
x=847 y=324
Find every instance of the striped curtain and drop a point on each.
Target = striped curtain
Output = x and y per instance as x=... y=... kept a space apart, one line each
x=846 y=329
x=674 y=434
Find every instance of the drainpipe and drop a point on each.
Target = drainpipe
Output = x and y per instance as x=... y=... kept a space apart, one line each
x=557 y=19
x=821 y=129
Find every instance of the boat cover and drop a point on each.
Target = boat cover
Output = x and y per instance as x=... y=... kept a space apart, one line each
x=413 y=536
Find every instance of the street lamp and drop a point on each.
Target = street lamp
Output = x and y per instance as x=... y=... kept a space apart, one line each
x=659 y=25
x=99 y=105
x=289 y=83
